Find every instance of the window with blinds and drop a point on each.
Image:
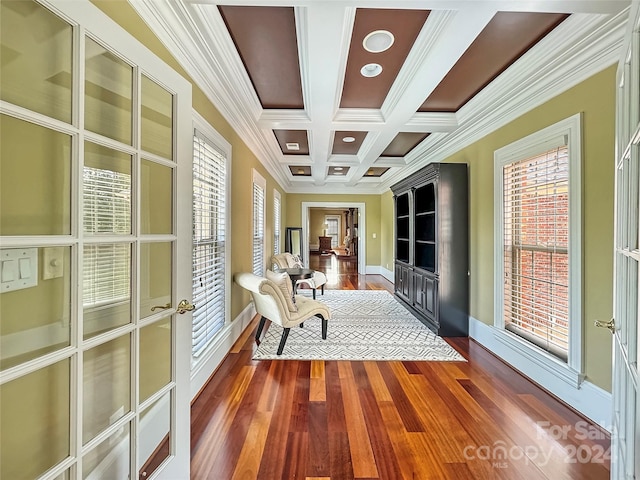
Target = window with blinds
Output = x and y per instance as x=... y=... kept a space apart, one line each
x=258 y=224
x=106 y=204
x=333 y=230
x=276 y=222
x=209 y=242
x=536 y=244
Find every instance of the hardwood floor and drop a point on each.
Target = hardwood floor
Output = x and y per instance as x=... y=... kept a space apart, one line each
x=335 y=420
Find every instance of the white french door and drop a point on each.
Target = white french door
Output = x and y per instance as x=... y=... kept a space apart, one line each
x=625 y=325
x=95 y=232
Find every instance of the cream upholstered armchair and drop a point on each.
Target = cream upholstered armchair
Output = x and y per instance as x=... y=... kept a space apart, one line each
x=274 y=300
x=287 y=260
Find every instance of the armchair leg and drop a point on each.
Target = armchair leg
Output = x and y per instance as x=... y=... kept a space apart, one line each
x=260 y=327
x=314 y=293
x=322 y=287
x=283 y=340
x=324 y=327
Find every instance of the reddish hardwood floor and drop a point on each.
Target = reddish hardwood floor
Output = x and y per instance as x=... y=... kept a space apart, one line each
x=335 y=420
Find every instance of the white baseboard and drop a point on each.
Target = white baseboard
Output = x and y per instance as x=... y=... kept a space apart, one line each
x=379 y=270
x=213 y=357
x=590 y=400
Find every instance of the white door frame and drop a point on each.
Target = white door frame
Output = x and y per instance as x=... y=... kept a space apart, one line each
x=362 y=242
x=625 y=326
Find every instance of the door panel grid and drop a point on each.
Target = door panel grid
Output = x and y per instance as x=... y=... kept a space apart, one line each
x=118 y=361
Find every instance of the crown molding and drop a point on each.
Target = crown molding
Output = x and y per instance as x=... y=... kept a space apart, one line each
x=283 y=119
x=212 y=62
x=429 y=122
x=344 y=116
x=595 y=45
x=427 y=39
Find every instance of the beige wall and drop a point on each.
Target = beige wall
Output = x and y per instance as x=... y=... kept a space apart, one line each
x=316 y=223
x=372 y=221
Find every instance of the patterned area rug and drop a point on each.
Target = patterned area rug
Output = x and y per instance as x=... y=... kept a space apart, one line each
x=364 y=325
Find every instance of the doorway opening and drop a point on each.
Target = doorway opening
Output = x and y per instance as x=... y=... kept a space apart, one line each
x=352 y=220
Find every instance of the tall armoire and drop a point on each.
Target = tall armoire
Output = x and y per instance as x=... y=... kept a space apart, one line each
x=432 y=246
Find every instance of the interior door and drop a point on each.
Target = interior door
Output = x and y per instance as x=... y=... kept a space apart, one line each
x=95 y=225
x=625 y=326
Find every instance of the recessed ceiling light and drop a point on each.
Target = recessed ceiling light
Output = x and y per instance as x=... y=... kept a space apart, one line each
x=300 y=171
x=293 y=146
x=349 y=139
x=378 y=41
x=337 y=168
x=371 y=70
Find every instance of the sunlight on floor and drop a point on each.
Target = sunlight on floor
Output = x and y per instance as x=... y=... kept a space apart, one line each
x=332 y=271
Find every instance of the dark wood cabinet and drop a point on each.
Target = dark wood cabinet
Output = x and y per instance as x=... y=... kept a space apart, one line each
x=325 y=244
x=432 y=246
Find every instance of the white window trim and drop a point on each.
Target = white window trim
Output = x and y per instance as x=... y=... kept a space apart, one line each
x=259 y=180
x=339 y=235
x=202 y=125
x=277 y=221
x=566 y=132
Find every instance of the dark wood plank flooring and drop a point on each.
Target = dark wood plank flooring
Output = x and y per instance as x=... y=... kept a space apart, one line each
x=335 y=420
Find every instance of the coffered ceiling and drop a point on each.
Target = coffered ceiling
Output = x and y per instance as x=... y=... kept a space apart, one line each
x=340 y=96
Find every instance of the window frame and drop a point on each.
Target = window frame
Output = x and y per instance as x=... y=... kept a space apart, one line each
x=565 y=132
x=202 y=126
x=335 y=238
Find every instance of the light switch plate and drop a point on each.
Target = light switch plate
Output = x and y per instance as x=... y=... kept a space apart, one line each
x=18 y=268
x=52 y=262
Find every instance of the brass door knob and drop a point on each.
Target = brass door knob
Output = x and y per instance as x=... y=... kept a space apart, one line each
x=185 y=306
x=611 y=325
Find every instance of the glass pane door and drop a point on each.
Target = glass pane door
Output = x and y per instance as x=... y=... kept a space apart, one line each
x=96 y=250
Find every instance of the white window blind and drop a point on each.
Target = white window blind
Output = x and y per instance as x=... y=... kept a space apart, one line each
x=276 y=222
x=106 y=274
x=536 y=241
x=106 y=201
x=258 y=228
x=333 y=230
x=209 y=247
x=106 y=210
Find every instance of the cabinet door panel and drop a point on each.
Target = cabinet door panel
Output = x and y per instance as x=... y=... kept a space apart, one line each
x=431 y=296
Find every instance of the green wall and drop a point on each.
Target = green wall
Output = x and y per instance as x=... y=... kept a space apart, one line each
x=243 y=160
x=597 y=207
x=598 y=136
x=386 y=231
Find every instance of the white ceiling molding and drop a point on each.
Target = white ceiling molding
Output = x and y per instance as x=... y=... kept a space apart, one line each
x=598 y=42
x=195 y=34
